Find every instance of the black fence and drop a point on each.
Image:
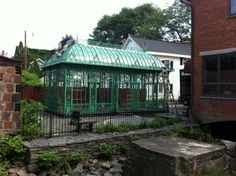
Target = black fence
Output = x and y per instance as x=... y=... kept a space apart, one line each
x=59 y=125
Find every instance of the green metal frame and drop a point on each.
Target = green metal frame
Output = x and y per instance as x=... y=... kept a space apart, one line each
x=94 y=79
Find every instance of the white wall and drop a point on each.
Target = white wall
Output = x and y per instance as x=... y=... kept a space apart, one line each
x=174 y=76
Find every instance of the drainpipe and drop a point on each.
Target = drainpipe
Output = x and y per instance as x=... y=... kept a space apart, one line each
x=188 y=2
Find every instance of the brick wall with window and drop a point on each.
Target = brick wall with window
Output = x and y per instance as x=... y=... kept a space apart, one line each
x=10 y=79
x=214 y=79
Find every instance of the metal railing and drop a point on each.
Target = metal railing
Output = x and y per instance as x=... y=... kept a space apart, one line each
x=60 y=125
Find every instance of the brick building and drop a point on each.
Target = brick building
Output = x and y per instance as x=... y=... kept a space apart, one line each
x=10 y=79
x=214 y=59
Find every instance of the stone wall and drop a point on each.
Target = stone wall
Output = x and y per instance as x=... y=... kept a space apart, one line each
x=164 y=156
x=87 y=143
x=9 y=99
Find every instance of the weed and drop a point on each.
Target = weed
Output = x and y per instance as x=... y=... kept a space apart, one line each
x=49 y=159
x=12 y=148
x=107 y=150
x=3 y=169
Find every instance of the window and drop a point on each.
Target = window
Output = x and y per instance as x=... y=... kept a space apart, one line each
x=17 y=70
x=16 y=106
x=219 y=75
x=1 y=76
x=18 y=88
x=232 y=7
x=169 y=64
x=183 y=60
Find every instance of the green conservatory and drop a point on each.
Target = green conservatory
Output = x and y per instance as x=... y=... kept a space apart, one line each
x=95 y=79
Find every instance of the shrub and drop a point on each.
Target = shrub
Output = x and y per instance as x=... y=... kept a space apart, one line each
x=30 y=79
x=75 y=157
x=48 y=160
x=107 y=150
x=12 y=148
x=125 y=146
x=158 y=123
x=3 y=169
x=30 y=116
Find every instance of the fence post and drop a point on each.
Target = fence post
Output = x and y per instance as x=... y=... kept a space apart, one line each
x=50 y=125
x=76 y=117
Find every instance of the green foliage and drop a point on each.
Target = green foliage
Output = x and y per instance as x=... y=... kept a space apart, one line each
x=30 y=116
x=34 y=68
x=107 y=150
x=3 y=169
x=33 y=54
x=30 y=79
x=214 y=171
x=125 y=146
x=49 y=160
x=178 y=23
x=145 y=20
x=75 y=157
x=12 y=148
x=203 y=134
x=156 y=123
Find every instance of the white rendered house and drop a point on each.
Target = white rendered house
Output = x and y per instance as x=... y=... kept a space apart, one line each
x=173 y=55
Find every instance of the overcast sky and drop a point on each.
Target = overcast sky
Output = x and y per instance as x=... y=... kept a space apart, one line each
x=46 y=21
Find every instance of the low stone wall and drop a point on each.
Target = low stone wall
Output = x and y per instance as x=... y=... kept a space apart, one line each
x=87 y=143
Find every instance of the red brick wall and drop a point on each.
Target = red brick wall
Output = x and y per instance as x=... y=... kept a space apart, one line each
x=9 y=119
x=213 y=30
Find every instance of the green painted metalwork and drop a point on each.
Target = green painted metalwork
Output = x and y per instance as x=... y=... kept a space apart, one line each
x=96 y=79
x=110 y=57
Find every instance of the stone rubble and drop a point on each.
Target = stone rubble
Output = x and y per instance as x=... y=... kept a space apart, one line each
x=91 y=167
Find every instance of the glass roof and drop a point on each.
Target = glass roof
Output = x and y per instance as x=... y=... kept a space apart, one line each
x=110 y=57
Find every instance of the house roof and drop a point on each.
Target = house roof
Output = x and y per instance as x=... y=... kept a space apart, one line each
x=163 y=46
x=6 y=61
x=108 y=57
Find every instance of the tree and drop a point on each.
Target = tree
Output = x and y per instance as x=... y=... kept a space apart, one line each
x=146 y=21
x=178 y=23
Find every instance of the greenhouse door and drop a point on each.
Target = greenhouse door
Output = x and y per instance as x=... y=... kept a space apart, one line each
x=93 y=92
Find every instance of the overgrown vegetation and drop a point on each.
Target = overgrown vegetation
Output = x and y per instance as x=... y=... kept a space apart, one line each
x=3 y=169
x=11 y=148
x=125 y=146
x=52 y=161
x=106 y=151
x=156 y=123
x=210 y=171
x=30 y=79
x=30 y=116
x=197 y=133
x=49 y=160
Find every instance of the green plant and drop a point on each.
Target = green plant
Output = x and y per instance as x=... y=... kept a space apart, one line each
x=30 y=79
x=12 y=148
x=210 y=171
x=30 y=116
x=75 y=157
x=158 y=123
x=107 y=150
x=3 y=169
x=125 y=146
x=48 y=159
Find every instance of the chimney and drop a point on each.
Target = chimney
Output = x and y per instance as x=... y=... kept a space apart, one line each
x=3 y=53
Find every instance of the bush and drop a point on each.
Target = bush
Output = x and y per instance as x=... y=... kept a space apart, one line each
x=30 y=79
x=30 y=116
x=106 y=151
x=12 y=148
x=48 y=160
x=75 y=157
x=3 y=169
x=125 y=146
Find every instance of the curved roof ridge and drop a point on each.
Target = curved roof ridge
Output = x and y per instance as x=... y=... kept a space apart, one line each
x=108 y=57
